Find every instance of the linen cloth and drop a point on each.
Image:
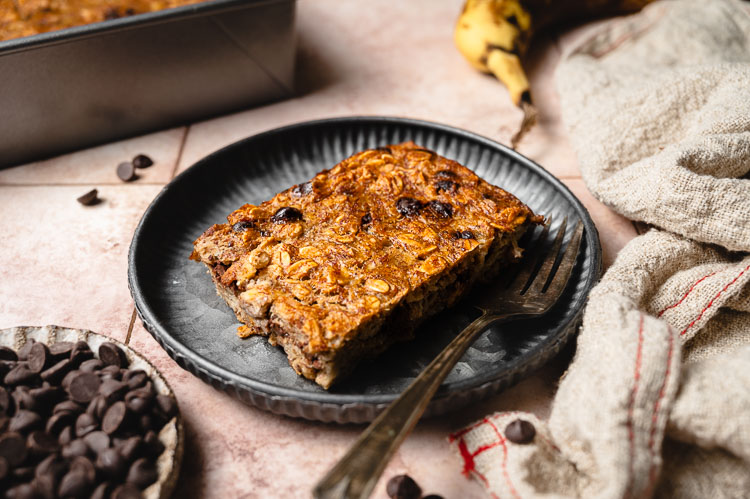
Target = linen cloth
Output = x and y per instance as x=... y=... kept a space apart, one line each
x=656 y=402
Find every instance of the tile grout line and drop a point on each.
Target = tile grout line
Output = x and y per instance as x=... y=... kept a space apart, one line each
x=130 y=327
x=179 y=153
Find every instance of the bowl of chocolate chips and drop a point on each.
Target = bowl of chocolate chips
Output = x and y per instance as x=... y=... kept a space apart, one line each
x=82 y=415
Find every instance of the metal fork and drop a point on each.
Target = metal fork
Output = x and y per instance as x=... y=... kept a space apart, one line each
x=530 y=293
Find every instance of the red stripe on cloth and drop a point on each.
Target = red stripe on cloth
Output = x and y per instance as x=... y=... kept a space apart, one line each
x=631 y=403
x=501 y=439
x=470 y=467
x=690 y=290
x=713 y=300
x=461 y=433
x=655 y=414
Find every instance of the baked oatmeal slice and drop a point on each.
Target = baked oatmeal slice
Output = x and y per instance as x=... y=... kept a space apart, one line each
x=338 y=268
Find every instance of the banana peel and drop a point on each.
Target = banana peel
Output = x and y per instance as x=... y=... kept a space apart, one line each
x=494 y=36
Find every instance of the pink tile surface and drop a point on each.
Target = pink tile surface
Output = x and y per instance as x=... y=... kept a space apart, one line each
x=97 y=165
x=64 y=263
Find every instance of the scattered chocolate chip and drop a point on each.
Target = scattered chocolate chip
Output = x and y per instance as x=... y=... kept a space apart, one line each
x=8 y=354
x=112 y=355
x=74 y=484
x=85 y=424
x=90 y=198
x=13 y=448
x=142 y=473
x=39 y=358
x=243 y=225
x=445 y=174
x=520 y=431
x=446 y=185
x=443 y=210
x=142 y=161
x=126 y=171
x=467 y=234
x=41 y=443
x=57 y=372
x=302 y=189
x=25 y=421
x=115 y=417
x=20 y=375
x=126 y=491
x=61 y=350
x=403 y=487
x=286 y=214
x=408 y=207
x=84 y=386
x=366 y=219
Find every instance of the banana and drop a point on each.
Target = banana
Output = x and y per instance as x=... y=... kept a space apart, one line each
x=494 y=36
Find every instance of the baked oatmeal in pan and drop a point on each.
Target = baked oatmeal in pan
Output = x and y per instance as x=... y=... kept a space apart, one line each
x=337 y=269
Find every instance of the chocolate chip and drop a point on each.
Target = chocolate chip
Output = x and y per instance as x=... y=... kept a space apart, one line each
x=126 y=171
x=90 y=198
x=286 y=214
x=135 y=378
x=20 y=375
x=97 y=441
x=142 y=161
x=302 y=189
x=112 y=355
x=69 y=406
x=112 y=390
x=5 y=401
x=102 y=491
x=84 y=465
x=446 y=185
x=24 y=473
x=520 y=431
x=58 y=421
x=467 y=234
x=98 y=406
x=76 y=448
x=6 y=366
x=4 y=422
x=8 y=354
x=23 y=352
x=85 y=424
x=403 y=487
x=137 y=404
x=23 y=398
x=4 y=467
x=66 y=436
x=45 y=397
x=91 y=365
x=74 y=484
x=443 y=210
x=80 y=353
x=13 y=448
x=112 y=464
x=154 y=447
x=53 y=466
x=167 y=404
x=243 y=225
x=111 y=13
x=408 y=207
x=132 y=448
x=25 y=421
x=42 y=443
x=111 y=372
x=46 y=486
x=142 y=473
x=83 y=387
x=366 y=219
x=61 y=350
x=445 y=174
x=23 y=491
x=126 y=491
x=57 y=372
x=115 y=417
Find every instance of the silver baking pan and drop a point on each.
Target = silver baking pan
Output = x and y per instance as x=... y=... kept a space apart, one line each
x=81 y=86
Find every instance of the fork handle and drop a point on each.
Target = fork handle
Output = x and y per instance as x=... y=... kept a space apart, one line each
x=356 y=474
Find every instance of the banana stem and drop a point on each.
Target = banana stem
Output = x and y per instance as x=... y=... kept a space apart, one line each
x=527 y=123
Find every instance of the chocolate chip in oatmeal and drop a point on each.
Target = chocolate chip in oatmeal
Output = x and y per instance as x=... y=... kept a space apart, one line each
x=286 y=214
x=445 y=174
x=520 y=431
x=366 y=219
x=443 y=210
x=447 y=186
x=243 y=225
x=302 y=189
x=409 y=207
x=467 y=234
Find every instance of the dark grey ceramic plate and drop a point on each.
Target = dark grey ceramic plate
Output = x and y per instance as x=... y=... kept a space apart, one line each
x=178 y=304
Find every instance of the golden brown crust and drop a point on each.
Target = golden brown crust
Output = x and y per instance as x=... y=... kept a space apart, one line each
x=326 y=257
x=29 y=17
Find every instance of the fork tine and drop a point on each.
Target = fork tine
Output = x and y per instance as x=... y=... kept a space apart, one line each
x=568 y=261
x=545 y=271
x=520 y=280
